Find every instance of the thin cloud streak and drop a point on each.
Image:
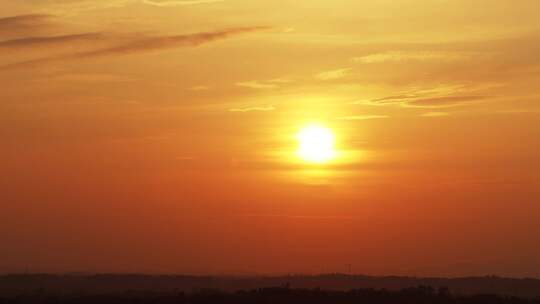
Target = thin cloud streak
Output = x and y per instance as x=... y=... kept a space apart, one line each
x=423 y=101
x=253 y=109
x=48 y=41
x=265 y=84
x=363 y=117
x=168 y=42
x=435 y=114
x=334 y=74
x=257 y=85
x=179 y=2
x=403 y=56
x=22 y=21
x=23 y=24
x=144 y=45
x=445 y=101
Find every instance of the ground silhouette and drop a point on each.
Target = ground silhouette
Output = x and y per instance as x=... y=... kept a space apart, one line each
x=89 y=284
x=272 y=295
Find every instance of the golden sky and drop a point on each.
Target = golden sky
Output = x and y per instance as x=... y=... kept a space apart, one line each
x=160 y=136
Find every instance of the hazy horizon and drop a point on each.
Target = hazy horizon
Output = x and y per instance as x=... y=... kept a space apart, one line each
x=262 y=275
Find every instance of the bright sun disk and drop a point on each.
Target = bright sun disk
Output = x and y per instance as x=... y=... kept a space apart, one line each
x=316 y=144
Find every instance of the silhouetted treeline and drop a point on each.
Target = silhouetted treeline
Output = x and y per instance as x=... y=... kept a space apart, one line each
x=277 y=295
x=110 y=283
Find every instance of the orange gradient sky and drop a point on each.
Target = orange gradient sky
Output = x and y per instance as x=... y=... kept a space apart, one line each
x=160 y=136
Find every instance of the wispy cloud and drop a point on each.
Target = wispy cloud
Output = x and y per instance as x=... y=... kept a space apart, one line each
x=363 y=117
x=253 y=109
x=79 y=6
x=394 y=98
x=200 y=88
x=30 y=42
x=435 y=114
x=254 y=84
x=179 y=2
x=143 y=45
x=23 y=25
x=167 y=42
x=401 y=56
x=426 y=99
x=264 y=84
x=445 y=101
x=333 y=74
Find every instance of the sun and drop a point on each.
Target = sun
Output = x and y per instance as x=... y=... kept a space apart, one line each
x=315 y=144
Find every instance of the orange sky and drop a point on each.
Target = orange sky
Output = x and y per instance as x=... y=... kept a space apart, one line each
x=159 y=136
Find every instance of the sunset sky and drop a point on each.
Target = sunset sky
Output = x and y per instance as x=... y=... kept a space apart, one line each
x=162 y=136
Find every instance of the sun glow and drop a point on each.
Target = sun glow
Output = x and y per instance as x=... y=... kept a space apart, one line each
x=315 y=144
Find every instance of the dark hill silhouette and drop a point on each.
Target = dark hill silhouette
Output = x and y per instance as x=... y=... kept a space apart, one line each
x=117 y=283
x=276 y=295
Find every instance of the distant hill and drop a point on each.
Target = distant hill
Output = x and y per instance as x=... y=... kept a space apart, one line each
x=118 y=283
x=274 y=295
